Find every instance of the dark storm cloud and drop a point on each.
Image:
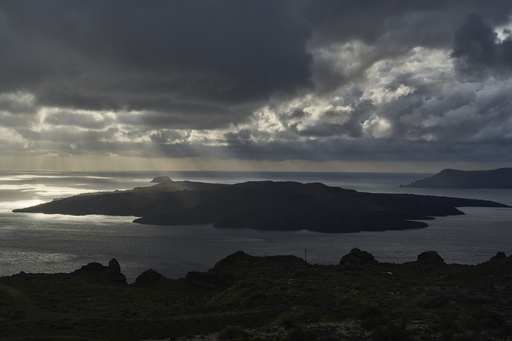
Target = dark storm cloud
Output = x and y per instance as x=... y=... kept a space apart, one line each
x=114 y=55
x=156 y=55
x=477 y=47
x=111 y=55
x=183 y=115
x=373 y=150
x=67 y=136
x=390 y=28
x=428 y=23
x=261 y=80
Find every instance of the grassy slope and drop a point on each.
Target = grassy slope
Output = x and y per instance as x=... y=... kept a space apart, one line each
x=377 y=300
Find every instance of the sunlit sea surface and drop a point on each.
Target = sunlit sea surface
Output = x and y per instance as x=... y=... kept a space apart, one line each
x=57 y=243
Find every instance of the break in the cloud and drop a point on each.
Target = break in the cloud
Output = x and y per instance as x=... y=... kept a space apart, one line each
x=307 y=80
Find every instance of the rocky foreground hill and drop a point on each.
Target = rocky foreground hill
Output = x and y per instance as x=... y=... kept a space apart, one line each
x=263 y=205
x=266 y=298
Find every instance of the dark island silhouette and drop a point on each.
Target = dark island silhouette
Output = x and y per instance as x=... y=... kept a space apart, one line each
x=263 y=205
x=453 y=178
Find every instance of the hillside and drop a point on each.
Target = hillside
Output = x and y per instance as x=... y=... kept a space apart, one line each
x=452 y=178
x=241 y=298
x=263 y=205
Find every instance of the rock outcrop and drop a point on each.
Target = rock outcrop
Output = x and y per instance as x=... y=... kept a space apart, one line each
x=149 y=277
x=101 y=273
x=499 y=256
x=430 y=258
x=358 y=257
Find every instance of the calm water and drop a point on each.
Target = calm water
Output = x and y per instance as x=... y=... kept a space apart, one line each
x=56 y=243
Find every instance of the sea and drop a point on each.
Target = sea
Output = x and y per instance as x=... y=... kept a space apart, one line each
x=39 y=243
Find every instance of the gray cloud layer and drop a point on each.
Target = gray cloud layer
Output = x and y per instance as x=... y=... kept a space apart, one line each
x=259 y=80
x=153 y=56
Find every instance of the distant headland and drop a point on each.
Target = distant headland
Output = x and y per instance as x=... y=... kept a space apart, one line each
x=263 y=205
x=453 y=178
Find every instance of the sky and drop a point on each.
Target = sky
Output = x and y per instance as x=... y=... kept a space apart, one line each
x=280 y=85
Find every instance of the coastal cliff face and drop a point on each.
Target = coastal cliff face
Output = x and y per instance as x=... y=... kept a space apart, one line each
x=275 y=298
x=452 y=178
x=263 y=205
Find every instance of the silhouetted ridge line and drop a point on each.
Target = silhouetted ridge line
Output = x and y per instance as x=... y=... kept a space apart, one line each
x=266 y=298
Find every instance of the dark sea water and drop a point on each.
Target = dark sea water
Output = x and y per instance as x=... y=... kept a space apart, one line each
x=58 y=243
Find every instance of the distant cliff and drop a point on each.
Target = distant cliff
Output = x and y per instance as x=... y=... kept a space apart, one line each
x=452 y=178
x=263 y=205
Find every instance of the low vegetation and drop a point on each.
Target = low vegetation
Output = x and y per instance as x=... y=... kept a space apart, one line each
x=266 y=298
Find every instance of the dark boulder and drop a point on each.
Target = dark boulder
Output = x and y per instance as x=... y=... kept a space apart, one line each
x=430 y=258
x=91 y=268
x=149 y=277
x=113 y=267
x=114 y=270
x=499 y=256
x=98 y=272
x=234 y=261
x=358 y=257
